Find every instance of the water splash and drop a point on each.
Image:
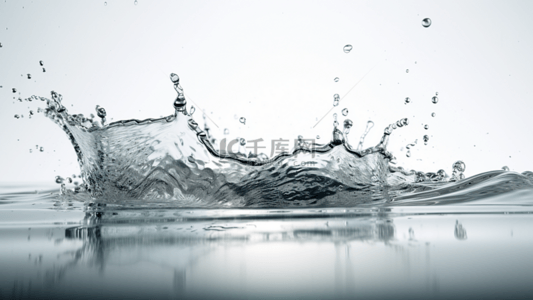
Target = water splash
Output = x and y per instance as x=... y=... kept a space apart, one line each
x=172 y=160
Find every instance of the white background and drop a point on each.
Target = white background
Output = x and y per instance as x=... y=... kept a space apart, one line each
x=274 y=64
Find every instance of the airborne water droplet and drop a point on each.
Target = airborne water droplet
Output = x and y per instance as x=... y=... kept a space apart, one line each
x=426 y=139
x=336 y=79
x=505 y=168
x=226 y=131
x=426 y=127
x=426 y=22
x=29 y=76
x=407 y=71
x=345 y=112
x=44 y=70
x=336 y=99
x=105 y=3
x=41 y=63
x=433 y=114
x=41 y=149
x=192 y=110
x=347 y=48
x=407 y=100
x=135 y=2
x=242 y=120
x=242 y=142
x=318 y=137
x=434 y=99
x=14 y=90
x=17 y=116
x=174 y=78
x=100 y=111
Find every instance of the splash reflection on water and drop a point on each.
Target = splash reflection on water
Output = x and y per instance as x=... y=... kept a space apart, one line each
x=462 y=251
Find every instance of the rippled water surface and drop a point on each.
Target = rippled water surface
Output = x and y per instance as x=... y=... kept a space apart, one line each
x=424 y=247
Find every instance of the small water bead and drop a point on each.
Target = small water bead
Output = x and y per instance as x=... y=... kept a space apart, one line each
x=31 y=150
x=17 y=116
x=44 y=70
x=59 y=180
x=336 y=79
x=345 y=112
x=426 y=139
x=505 y=168
x=242 y=141
x=105 y=3
x=29 y=76
x=347 y=48
x=435 y=99
x=192 y=110
x=174 y=78
x=407 y=100
x=407 y=71
x=433 y=114
x=41 y=63
x=318 y=137
x=426 y=22
x=336 y=99
x=348 y=123
x=242 y=120
x=135 y=2
x=226 y=131
x=436 y=93
x=14 y=90
x=459 y=166
x=41 y=149
x=426 y=127
x=100 y=111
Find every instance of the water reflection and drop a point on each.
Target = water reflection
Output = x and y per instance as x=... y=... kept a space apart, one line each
x=266 y=254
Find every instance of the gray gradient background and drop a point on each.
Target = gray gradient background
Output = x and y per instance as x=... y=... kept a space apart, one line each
x=274 y=63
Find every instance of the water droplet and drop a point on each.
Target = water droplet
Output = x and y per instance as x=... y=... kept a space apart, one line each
x=408 y=154
x=242 y=141
x=226 y=131
x=174 y=78
x=345 y=112
x=105 y=3
x=407 y=71
x=505 y=168
x=426 y=127
x=434 y=99
x=436 y=93
x=29 y=76
x=405 y=121
x=44 y=70
x=459 y=166
x=347 y=125
x=41 y=63
x=31 y=112
x=14 y=90
x=433 y=114
x=59 y=179
x=100 y=111
x=318 y=137
x=242 y=120
x=135 y=2
x=17 y=116
x=347 y=48
x=41 y=149
x=336 y=79
x=426 y=139
x=407 y=100
x=31 y=150
x=192 y=110
x=336 y=99
x=426 y=22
